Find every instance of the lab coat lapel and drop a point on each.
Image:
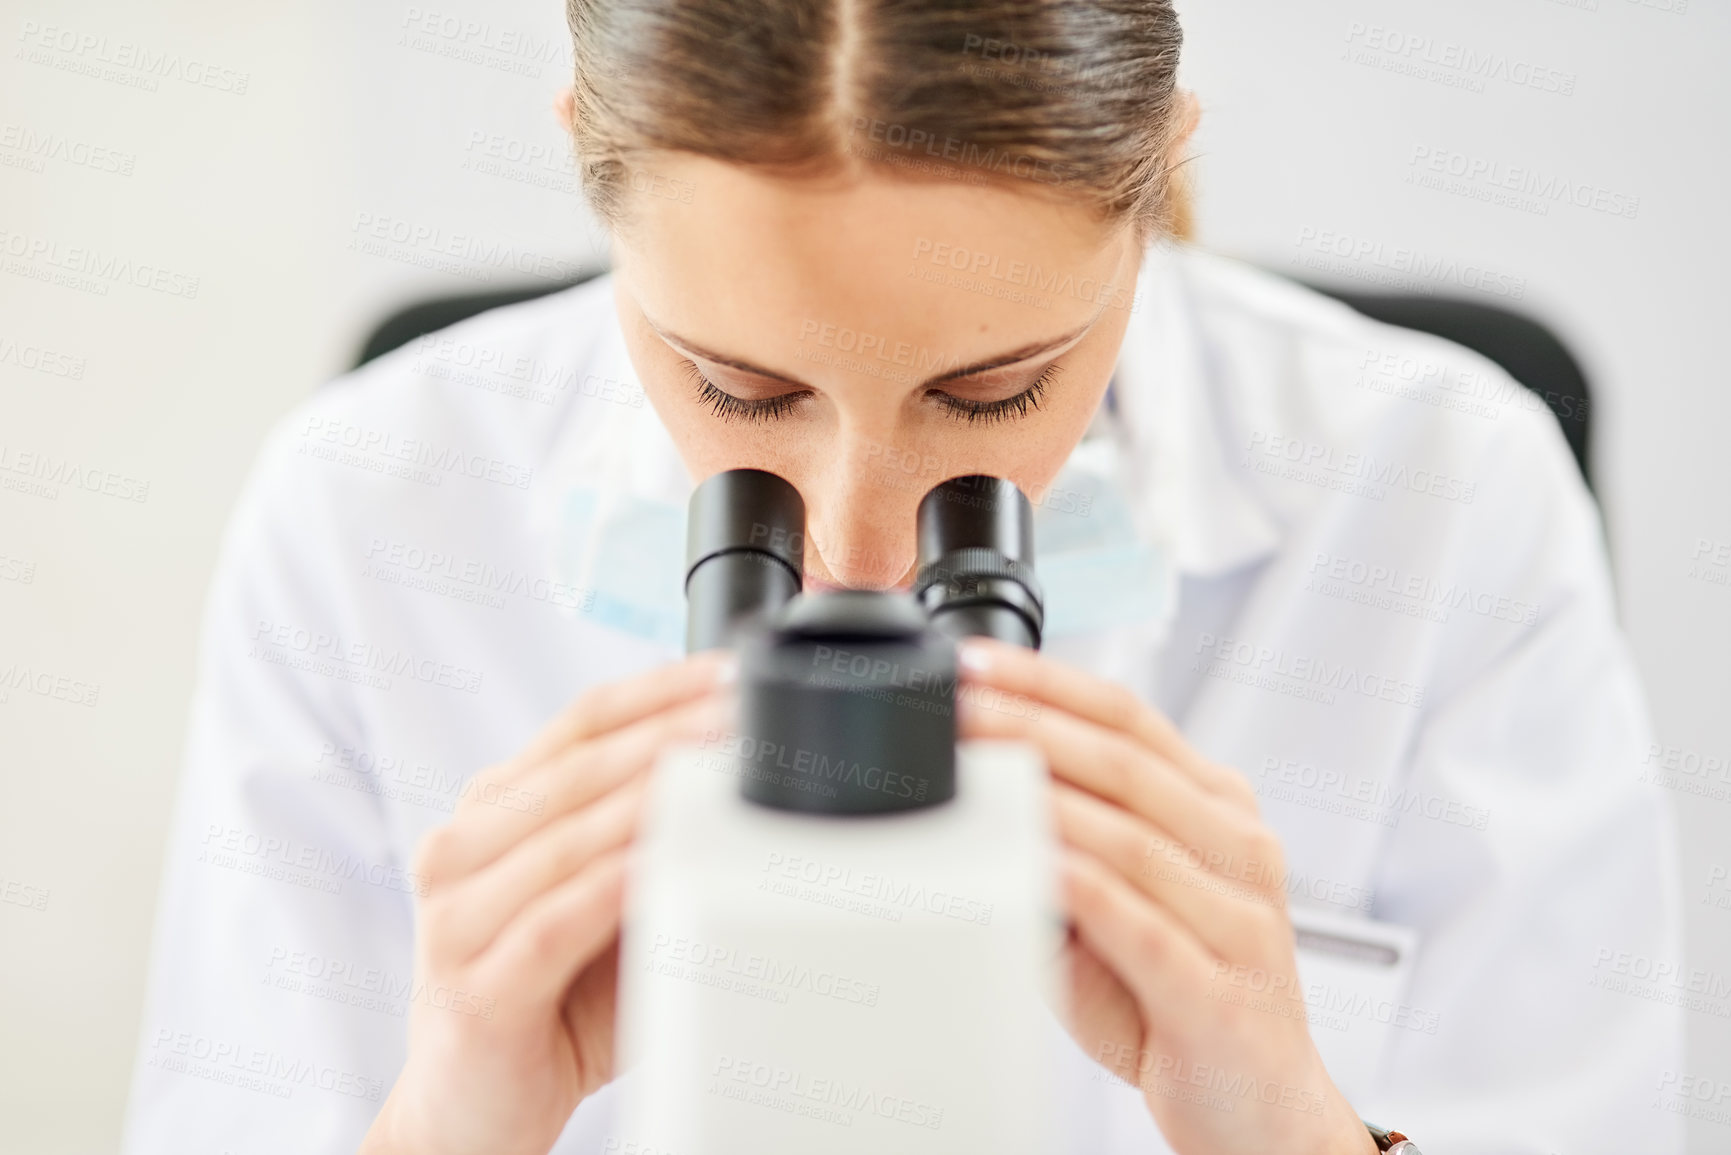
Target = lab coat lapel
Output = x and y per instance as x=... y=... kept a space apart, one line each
x=1190 y=514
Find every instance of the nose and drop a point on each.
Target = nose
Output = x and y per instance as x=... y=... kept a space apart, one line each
x=859 y=518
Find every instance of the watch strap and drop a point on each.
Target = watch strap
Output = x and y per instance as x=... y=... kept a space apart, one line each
x=1392 y=1141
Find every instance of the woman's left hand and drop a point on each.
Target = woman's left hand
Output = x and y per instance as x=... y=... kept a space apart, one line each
x=1182 y=974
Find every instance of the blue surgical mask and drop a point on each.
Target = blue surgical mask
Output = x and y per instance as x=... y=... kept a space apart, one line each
x=1098 y=567
x=629 y=552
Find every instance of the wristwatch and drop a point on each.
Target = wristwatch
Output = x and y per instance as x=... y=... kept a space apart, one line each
x=1392 y=1141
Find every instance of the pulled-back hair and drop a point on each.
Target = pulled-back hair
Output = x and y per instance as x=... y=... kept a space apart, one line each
x=1076 y=96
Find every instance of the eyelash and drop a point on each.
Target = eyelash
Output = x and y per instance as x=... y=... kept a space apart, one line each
x=1001 y=410
x=728 y=407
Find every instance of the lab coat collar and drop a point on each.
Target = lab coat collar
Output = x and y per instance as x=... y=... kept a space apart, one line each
x=1191 y=492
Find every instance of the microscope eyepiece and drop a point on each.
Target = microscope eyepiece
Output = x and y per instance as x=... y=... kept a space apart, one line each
x=976 y=561
x=744 y=553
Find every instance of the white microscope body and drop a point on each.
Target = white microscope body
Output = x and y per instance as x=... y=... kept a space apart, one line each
x=794 y=983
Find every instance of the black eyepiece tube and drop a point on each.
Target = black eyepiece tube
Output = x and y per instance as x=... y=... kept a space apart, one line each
x=976 y=561
x=744 y=553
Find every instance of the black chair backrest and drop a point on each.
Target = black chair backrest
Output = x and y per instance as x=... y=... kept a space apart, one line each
x=1526 y=350
x=1529 y=352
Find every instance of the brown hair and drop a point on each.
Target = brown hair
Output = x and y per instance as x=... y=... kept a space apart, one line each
x=1078 y=96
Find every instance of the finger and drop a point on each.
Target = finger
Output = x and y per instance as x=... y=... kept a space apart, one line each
x=1233 y=920
x=1156 y=959
x=612 y=705
x=480 y=834
x=1227 y=840
x=1099 y=1009
x=1016 y=670
x=575 y=776
x=537 y=956
x=463 y=919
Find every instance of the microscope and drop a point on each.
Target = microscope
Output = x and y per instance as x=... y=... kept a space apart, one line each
x=842 y=928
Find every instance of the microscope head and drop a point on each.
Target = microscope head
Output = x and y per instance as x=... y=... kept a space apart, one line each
x=848 y=697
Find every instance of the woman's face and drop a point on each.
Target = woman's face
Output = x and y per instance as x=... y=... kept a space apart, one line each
x=868 y=339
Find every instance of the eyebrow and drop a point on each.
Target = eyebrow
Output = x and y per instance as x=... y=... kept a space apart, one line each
x=1013 y=356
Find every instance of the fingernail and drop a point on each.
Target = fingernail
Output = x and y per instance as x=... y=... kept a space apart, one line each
x=975 y=657
x=727 y=672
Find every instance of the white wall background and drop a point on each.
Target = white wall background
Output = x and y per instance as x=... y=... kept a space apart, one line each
x=240 y=144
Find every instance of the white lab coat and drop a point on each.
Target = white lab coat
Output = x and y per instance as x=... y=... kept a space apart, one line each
x=1351 y=561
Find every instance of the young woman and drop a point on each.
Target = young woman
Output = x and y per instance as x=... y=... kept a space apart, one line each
x=1318 y=640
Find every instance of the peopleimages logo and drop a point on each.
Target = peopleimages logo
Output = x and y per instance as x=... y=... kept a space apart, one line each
x=1390 y=587
x=122 y=61
x=1359 y=796
x=260 y=1069
x=322 y=652
x=1461 y=65
x=1272 y=667
x=1459 y=387
x=1362 y=258
x=828 y=1099
x=466 y=579
x=750 y=973
x=918 y=142
x=269 y=855
x=34 y=148
x=23 y=894
x=1357 y=473
x=763 y=759
x=47 y=684
x=897 y=894
x=1525 y=180
x=370 y=988
x=1687 y=771
x=41 y=359
x=1022 y=274
x=874 y=346
x=42 y=475
x=1662 y=980
x=1287 y=995
x=89 y=269
x=1174 y=1077
x=509 y=50
x=333 y=439
x=418 y=243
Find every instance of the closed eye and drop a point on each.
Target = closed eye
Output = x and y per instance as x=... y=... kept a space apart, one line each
x=1003 y=408
x=731 y=408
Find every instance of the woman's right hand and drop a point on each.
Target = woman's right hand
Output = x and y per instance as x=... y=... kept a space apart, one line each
x=517 y=926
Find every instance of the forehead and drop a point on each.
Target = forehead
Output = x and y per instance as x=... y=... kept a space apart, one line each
x=741 y=254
